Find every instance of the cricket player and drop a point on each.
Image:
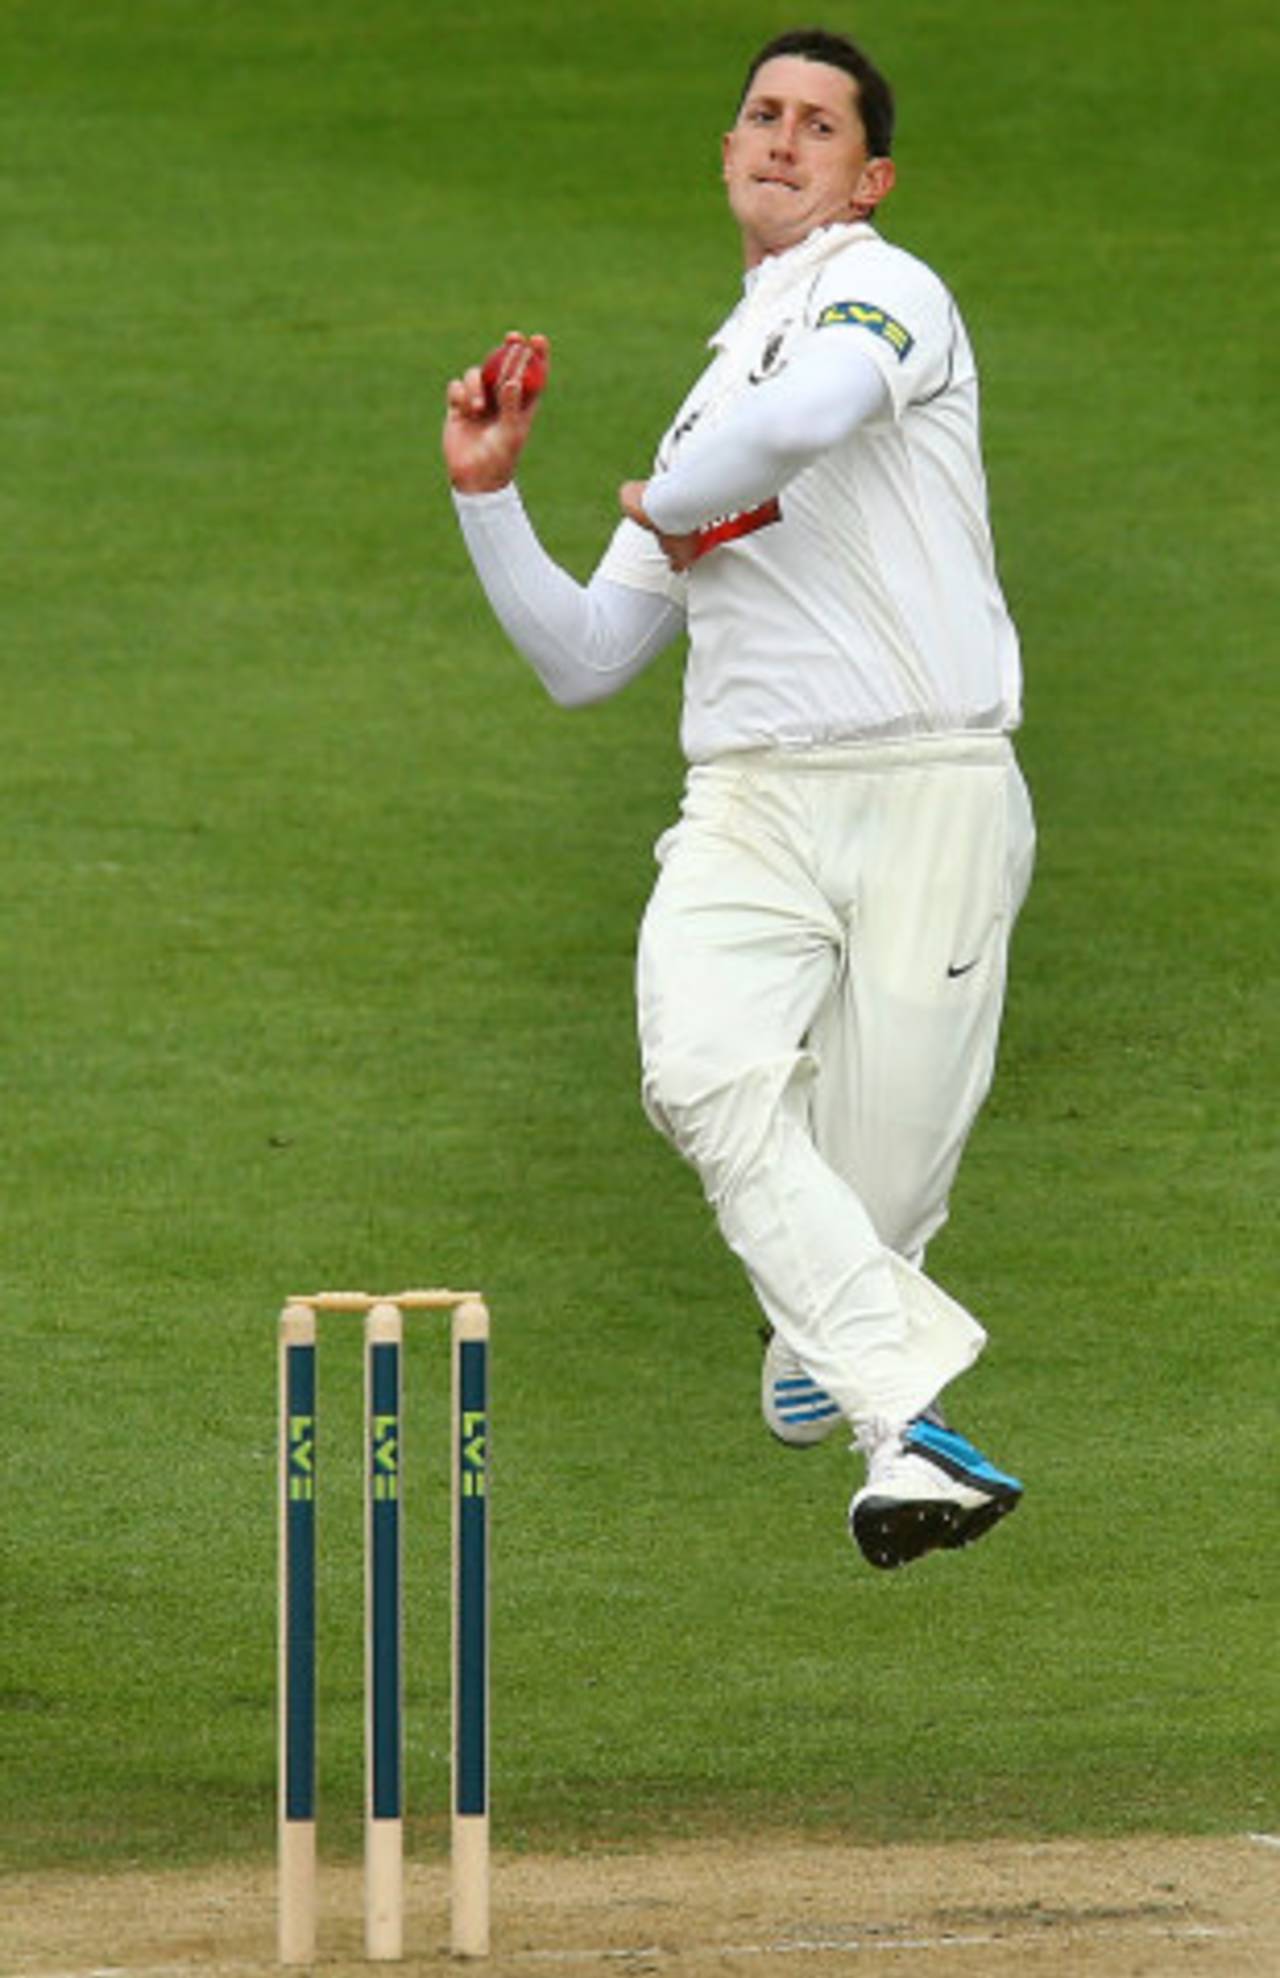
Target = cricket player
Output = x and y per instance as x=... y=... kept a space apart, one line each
x=822 y=963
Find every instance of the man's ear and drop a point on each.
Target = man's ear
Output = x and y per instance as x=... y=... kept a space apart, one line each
x=875 y=182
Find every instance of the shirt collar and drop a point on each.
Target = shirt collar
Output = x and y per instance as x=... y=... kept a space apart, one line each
x=777 y=271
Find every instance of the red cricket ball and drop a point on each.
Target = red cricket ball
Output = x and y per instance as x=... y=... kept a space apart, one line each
x=534 y=380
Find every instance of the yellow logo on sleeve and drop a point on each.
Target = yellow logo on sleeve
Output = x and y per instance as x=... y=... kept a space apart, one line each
x=867 y=316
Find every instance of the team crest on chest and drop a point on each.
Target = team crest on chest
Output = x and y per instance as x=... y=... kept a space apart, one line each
x=767 y=364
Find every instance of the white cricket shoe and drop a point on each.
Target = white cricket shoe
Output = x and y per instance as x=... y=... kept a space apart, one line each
x=795 y=1409
x=927 y=1488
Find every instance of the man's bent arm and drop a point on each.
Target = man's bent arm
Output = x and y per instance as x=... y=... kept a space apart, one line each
x=776 y=429
x=584 y=642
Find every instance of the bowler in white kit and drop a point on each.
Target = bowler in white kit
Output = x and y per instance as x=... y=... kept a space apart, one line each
x=822 y=962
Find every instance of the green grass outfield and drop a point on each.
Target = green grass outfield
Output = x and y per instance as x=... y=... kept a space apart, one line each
x=318 y=923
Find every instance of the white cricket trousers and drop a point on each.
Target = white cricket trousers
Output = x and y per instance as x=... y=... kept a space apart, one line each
x=820 y=981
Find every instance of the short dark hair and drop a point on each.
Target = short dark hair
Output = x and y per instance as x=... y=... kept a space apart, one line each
x=815 y=44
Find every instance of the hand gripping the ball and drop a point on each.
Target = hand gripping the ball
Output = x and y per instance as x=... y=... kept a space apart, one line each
x=490 y=411
x=519 y=357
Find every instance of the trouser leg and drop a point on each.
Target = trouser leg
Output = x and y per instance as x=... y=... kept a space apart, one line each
x=744 y=945
x=905 y=1041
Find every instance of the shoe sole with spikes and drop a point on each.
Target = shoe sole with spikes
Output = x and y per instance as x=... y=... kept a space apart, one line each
x=936 y=1494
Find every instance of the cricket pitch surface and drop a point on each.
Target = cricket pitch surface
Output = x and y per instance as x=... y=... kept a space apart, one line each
x=1147 y=1908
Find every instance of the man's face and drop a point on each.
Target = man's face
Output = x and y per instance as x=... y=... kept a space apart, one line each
x=797 y=157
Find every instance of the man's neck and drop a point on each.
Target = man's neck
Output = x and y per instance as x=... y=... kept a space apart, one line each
x=755 y=254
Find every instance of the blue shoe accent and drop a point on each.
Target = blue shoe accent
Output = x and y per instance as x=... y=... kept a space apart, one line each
x=797 y=1412
x=955 y=1455
x=798 y=1399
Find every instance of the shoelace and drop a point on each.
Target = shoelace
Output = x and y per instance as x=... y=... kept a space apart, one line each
x=871 y=1436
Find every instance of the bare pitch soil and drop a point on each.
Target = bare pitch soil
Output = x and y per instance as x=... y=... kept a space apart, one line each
x=1131 y=1909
